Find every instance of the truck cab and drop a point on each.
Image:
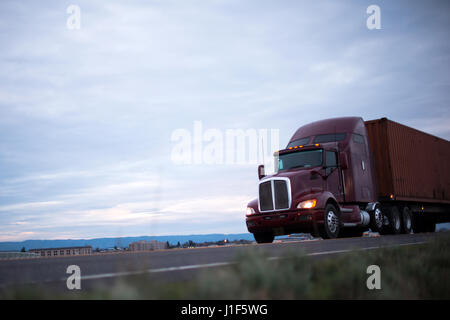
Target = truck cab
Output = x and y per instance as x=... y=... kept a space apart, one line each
x=323 y=183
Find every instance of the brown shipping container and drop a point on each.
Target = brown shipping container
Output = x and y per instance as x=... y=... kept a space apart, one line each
x=409 y=164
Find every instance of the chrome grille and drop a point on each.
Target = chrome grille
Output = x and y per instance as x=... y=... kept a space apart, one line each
x=265 y=196
x=274 y=194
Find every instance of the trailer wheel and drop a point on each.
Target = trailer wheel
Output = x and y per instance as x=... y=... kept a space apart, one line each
x=263 y=237
x=331 y=224
x=394 y=226
x=376 y=219
x=406 y=220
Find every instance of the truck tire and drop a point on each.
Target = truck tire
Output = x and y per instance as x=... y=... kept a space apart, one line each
x=394 y=226
x=406 y=220
x=376 y=219
x=263 y=237
x=331 y=224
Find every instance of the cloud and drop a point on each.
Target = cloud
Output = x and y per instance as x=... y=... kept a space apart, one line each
x=199 y=206
x=173 y=214
x=30 y=205
x=16 y=236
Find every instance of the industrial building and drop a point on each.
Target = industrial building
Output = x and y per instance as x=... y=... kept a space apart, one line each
x=147 y=245
x=68 y=251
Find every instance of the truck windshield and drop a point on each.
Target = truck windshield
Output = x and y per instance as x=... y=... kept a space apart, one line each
x=302 y=159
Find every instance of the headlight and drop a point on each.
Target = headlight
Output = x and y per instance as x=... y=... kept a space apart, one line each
x=308 y=204
x=249 y=211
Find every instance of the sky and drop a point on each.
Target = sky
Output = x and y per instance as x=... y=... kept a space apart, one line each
x=88 y=114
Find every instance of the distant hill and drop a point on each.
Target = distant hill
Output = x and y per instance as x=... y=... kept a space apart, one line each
x=103 y=243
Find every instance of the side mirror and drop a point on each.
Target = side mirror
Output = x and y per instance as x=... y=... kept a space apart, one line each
x=343 y=161
x=261 y=171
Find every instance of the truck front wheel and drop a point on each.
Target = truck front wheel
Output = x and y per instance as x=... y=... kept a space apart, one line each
x=263 y=237
x=332 y=222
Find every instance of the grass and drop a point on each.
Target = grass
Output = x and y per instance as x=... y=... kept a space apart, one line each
x=408 y=272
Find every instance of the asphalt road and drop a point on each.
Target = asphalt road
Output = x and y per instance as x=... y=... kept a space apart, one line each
x=177 y=264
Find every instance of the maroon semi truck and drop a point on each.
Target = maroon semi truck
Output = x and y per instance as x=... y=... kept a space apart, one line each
x=343 y=176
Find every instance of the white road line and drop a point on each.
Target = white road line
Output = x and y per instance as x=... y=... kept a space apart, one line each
x=221 y=264
x=131 y=273
x=362 y=249
x=327 y=252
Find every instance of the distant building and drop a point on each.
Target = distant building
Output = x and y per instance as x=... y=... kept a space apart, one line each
x=147 y=245
x=56 y=252
x=13 y=255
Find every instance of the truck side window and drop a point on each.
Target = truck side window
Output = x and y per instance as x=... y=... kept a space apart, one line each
x=331 y=137
x=330 y=161
x=358 y=138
